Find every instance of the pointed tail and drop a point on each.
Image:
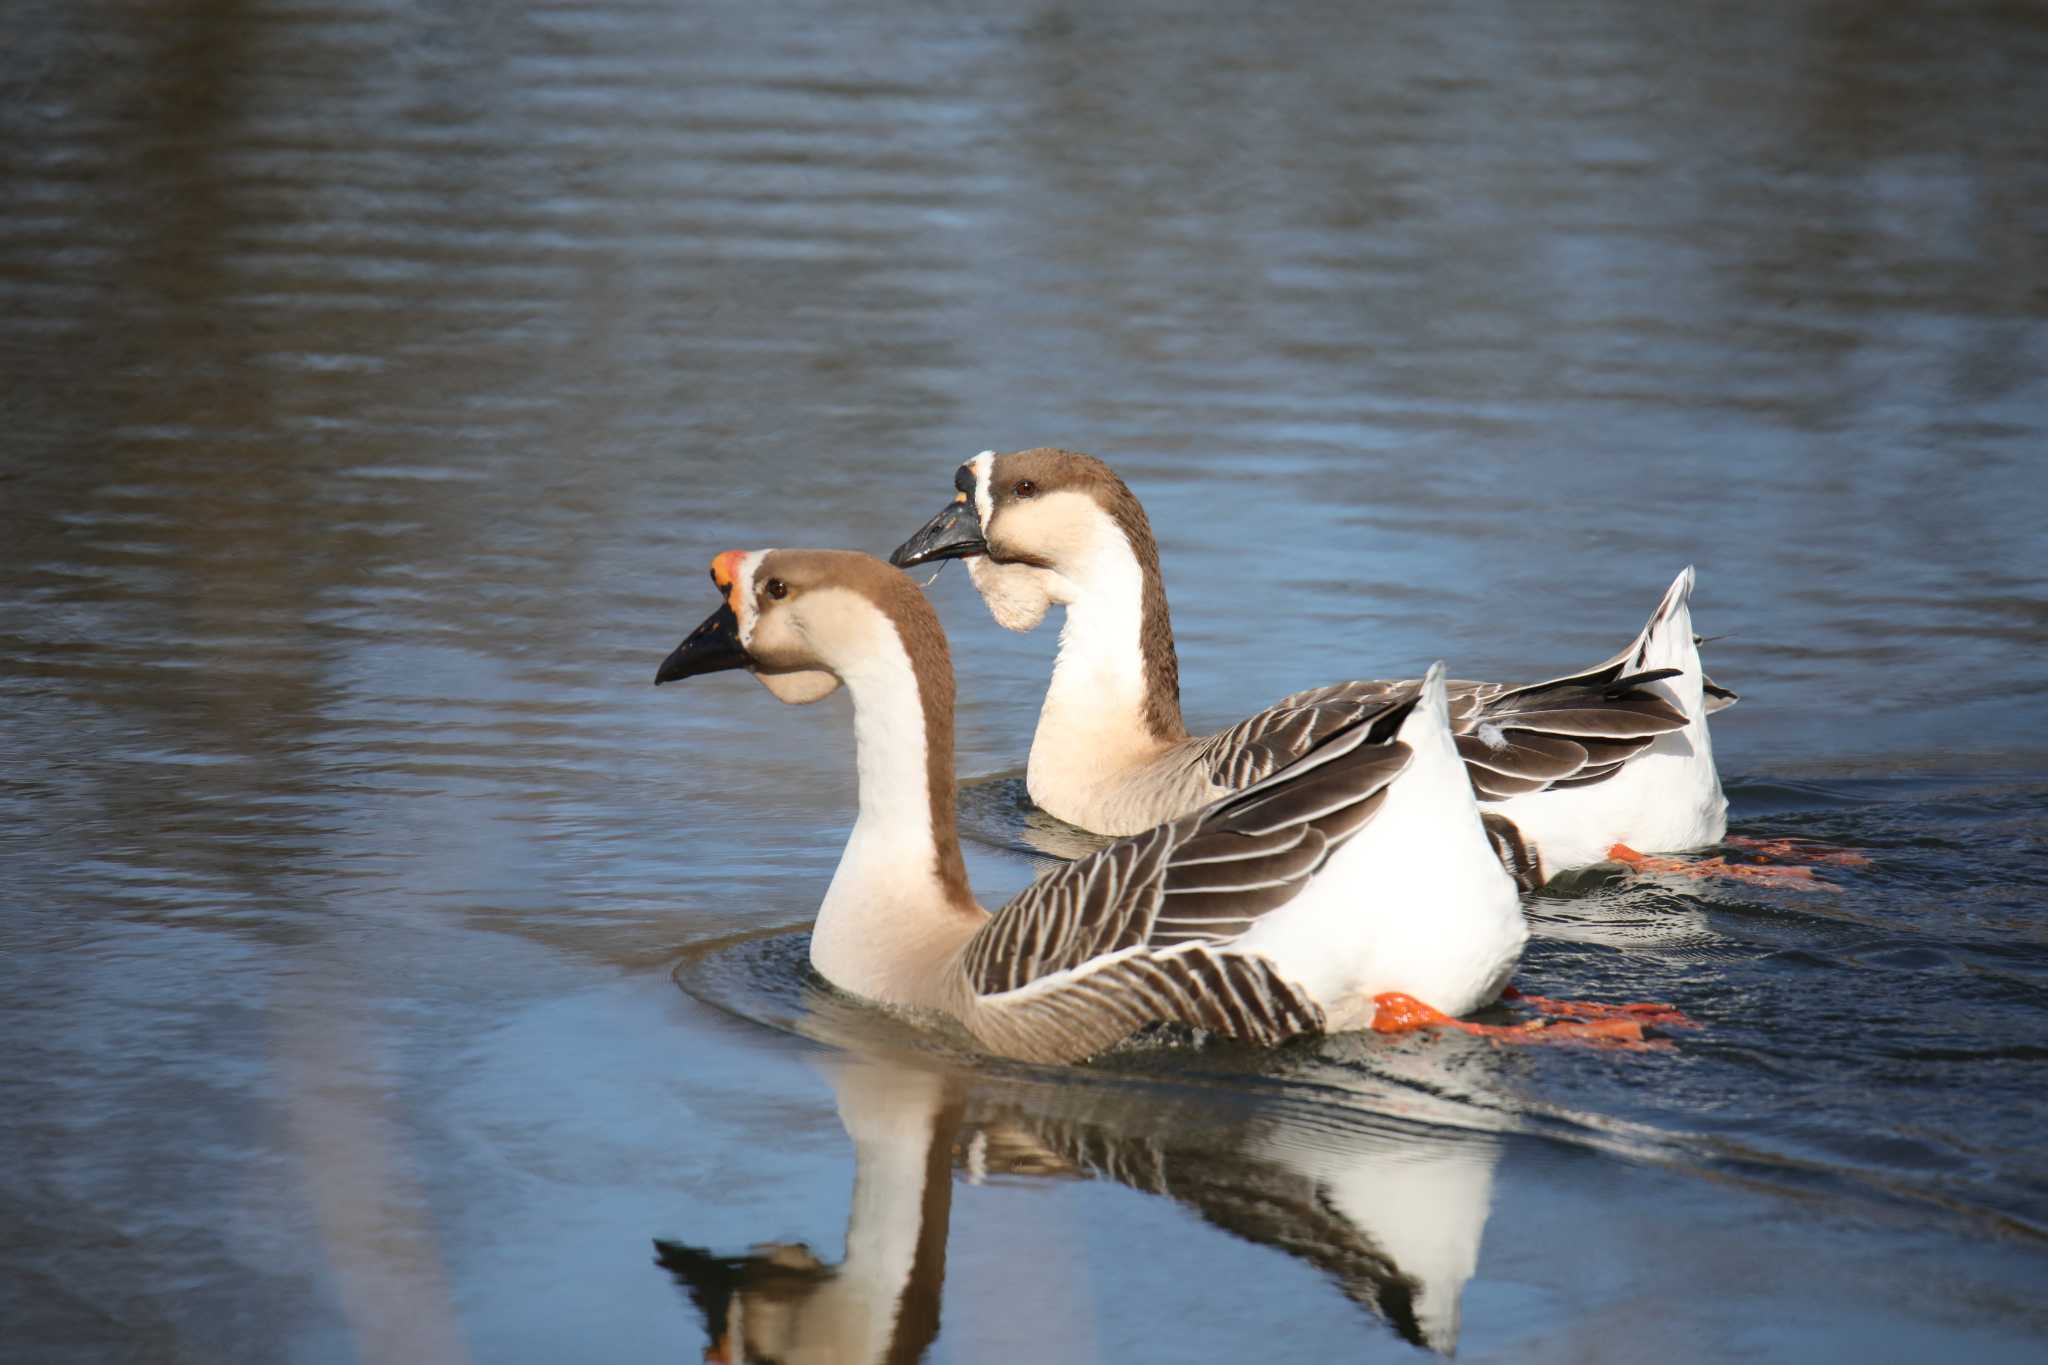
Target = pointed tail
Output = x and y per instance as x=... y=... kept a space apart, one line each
x=1434 y=700
x=1427 y=727
x=1666 y=641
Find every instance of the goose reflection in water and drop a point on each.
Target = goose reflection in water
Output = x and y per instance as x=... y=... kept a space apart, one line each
x=1392 y=1218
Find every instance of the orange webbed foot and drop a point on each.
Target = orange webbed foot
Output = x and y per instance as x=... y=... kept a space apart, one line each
x=1641 y=1012
x=1805 y=850
x=1399 y=1013
x=1396 y=1012
x=1622 y=1034
x=1802 y=878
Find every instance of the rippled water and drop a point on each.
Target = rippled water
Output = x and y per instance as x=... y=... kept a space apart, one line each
x=380 y=377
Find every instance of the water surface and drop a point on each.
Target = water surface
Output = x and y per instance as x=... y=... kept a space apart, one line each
x=381 y=377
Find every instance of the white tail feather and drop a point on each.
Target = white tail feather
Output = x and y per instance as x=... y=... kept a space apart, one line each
x=1428 y=726
x=1667 y=640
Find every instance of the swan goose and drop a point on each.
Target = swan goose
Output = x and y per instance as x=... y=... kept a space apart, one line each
x=1563 y=769
x=1356 y=873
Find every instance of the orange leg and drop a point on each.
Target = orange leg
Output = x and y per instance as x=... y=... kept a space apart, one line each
x=1399 y=1013
x=1801 y=877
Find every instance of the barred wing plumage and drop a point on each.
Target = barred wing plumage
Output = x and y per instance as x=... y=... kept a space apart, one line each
x=1127 y=936
x=1566 y=732
x=1569 y=732
x=1263 y=744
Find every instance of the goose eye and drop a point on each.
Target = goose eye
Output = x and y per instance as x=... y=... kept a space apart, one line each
x=777 y=589
x=1025 y=489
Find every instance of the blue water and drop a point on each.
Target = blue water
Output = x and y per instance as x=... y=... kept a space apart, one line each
x=385 y=967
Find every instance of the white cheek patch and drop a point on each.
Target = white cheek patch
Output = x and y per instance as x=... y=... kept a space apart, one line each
x=983 y=466
x=743 y=592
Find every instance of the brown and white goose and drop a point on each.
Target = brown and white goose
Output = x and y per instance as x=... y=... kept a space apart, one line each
x=1355 y=878
x=1563 y=769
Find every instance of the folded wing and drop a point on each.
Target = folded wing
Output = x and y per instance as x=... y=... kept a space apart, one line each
x=1136 y=934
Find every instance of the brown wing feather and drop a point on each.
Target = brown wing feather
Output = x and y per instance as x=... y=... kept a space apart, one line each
x=1514 y=740
x=1201 y=879
x=1261 y=745
x=1235 y=994
x=1596 y=717
x=1525 y=754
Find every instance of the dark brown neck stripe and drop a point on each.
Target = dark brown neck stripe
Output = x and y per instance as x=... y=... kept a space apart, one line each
x=1052 y=468
x=931 y=663
x=1155 y=622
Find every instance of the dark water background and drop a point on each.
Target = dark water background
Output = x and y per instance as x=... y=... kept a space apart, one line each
x=380 y=376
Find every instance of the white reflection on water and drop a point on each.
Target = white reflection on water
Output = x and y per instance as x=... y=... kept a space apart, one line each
x=1392 y=1215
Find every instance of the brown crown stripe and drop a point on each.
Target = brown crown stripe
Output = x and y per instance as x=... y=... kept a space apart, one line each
x=1052 y=468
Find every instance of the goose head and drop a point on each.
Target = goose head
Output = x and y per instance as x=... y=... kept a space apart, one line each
x=799 y=620
x=1037 y=528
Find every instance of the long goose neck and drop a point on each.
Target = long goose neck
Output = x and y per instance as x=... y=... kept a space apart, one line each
x=903 y=744
x=1116 y=682
x=899 y=905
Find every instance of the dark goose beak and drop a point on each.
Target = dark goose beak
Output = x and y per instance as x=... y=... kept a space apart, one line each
x=711 y=648
x=955 y=533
